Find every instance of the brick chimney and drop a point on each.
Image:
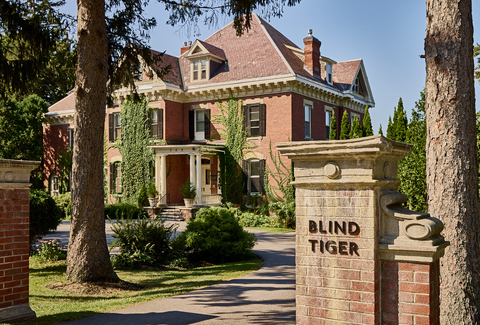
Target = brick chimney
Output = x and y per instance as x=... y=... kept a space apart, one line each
x=185 y=47
x=312 y=54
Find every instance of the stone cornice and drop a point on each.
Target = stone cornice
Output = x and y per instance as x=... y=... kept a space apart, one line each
x=16 y=173
x=59 y=118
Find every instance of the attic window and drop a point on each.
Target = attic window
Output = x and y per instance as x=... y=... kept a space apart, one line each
x=199 y=69
x=355 y=85
x=329 y=74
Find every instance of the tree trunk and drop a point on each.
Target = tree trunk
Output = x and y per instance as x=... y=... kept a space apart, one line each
x=452 y=168
x=88 y=259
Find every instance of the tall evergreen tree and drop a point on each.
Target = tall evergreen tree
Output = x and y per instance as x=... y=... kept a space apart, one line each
x=380 y=131
x=333 y=128
x=356 y=130
x=400 y=123
x=345 y=127
x=390 y=130
x=367 y=124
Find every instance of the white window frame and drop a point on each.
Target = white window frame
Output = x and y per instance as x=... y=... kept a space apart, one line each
x=328 y=120
x=250 y=176
x=355 y=85
x=308 y=108
x=255 y=121
x=71 y=137
x=200 y=69
x=329 y=74
x=199 y=133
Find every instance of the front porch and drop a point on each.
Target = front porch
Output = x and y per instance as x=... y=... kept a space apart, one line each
x=196 y=163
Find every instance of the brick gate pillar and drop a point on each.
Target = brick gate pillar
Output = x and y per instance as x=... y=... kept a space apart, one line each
x=361 y=258
x=14 y=240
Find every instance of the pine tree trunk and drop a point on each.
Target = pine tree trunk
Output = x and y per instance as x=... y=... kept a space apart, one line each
x=452 y=168
x=88 y=259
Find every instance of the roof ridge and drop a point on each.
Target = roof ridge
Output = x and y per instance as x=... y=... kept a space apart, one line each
x=285 y=61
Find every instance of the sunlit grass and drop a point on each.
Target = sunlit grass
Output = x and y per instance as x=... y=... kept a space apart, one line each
x=272 y=229
x=53 y=306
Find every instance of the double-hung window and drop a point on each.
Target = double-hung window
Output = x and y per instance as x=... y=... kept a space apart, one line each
x=308 y=121
x=116 y=178
x=253 y=173
x=156 y=123
x=114 y=126
x=328 y=121
x=255 y=119
x=199 y=124
x=329 y=74
x=199 y=69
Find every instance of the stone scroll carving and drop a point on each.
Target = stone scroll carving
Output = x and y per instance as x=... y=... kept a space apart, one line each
x=406 y=231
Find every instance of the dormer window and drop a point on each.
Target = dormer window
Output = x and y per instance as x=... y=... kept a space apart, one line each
x=329 y=74
x=355 y=85
x=199 y=69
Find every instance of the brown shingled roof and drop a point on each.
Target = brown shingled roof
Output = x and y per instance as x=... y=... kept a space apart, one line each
x=344 y=73
x=65 y=104
x=174 y=76
x=214 y=50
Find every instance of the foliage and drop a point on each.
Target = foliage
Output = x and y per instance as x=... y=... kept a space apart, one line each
x=215 y=236
x=232 y=131
x=249 y=219
x=397 y=128
x=133 y=146
x=356 y=131
x=345 y=127
x=478 y=142
x=282 y=176
x=188 y=190
x=123 y=210
x=49 y=250
x=45 y=215
x=141 y=241
x=412 y=169
x=380 y=131
x=142 y=200
x=333 y=128
x=476 y=55
x=285 y=212
x=63 y=201
x=65 y=162
x=367 y=124
x=152 y=190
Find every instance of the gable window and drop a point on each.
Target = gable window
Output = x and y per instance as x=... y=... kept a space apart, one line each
x=254 y=172
x=114 y=126
x=254 y=119
x=116 y=178
x=156 y=123
x=308 y=119
x=328 y=121
x=355 y=86
x=199 y=69
x=199 y=124
x=329 y=74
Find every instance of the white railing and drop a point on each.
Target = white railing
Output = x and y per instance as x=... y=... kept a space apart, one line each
x=212 y=199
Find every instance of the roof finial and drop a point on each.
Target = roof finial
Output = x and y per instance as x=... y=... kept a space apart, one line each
x=310 y=32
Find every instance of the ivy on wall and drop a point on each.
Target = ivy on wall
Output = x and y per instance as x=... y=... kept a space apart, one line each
x=137 y=158
x=278 y=187
x=235 y=136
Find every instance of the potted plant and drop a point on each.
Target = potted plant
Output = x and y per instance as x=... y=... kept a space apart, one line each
x=152 y=194
x=189 y=193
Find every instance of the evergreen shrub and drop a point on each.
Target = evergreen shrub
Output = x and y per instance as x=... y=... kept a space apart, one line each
x=285 y=212
x=123 y=210
x=45 y=215
x=63 y=201
x=143 y=241
x=142 y=200
x=248 y=219
x=215 y=236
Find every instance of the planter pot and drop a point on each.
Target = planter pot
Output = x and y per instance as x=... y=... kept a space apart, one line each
x=153 y=201
x=188 y=202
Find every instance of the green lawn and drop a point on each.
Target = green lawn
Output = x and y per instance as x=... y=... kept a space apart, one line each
x=272 y=229
x=54 y=306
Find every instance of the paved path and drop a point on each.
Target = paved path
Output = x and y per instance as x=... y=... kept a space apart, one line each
x=266 y=296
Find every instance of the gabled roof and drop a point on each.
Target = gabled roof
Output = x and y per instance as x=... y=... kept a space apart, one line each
x=65 y=104
x=344 y=73
x=173 y=76
x=200 y=48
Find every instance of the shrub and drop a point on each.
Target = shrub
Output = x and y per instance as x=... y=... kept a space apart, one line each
x=285 y=212
x=123 y=209
x=50 y=250
x=141 y=241
x=142 y=200
x=248 y=219
x=215 y=236
x=63 y=201
x=45 y=215
x=188 y=190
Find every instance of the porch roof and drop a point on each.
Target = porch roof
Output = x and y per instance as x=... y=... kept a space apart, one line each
x=186 y=149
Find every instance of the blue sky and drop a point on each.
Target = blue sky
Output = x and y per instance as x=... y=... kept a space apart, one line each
x=387 y=35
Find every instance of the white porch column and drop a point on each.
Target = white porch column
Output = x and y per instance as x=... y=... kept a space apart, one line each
x=199 y=179
x=192 y=169
x=163 y=178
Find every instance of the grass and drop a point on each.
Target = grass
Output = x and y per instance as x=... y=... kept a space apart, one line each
x=54 y=306
x=272 y=229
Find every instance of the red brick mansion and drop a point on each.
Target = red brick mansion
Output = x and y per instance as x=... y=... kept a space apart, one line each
x=287 y=93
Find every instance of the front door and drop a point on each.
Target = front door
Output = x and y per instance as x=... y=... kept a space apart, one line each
x=206 y=178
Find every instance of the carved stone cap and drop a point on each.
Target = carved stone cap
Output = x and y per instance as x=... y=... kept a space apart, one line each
x=16 y=173
x=375 y=144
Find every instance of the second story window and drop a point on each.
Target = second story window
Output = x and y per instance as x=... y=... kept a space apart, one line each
x=156 y=123
x=71 y=137
x=329 y=74
x=114 y=126
x=255 y=119
x=199 y=124
x=328 y=121
x=308 y=121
